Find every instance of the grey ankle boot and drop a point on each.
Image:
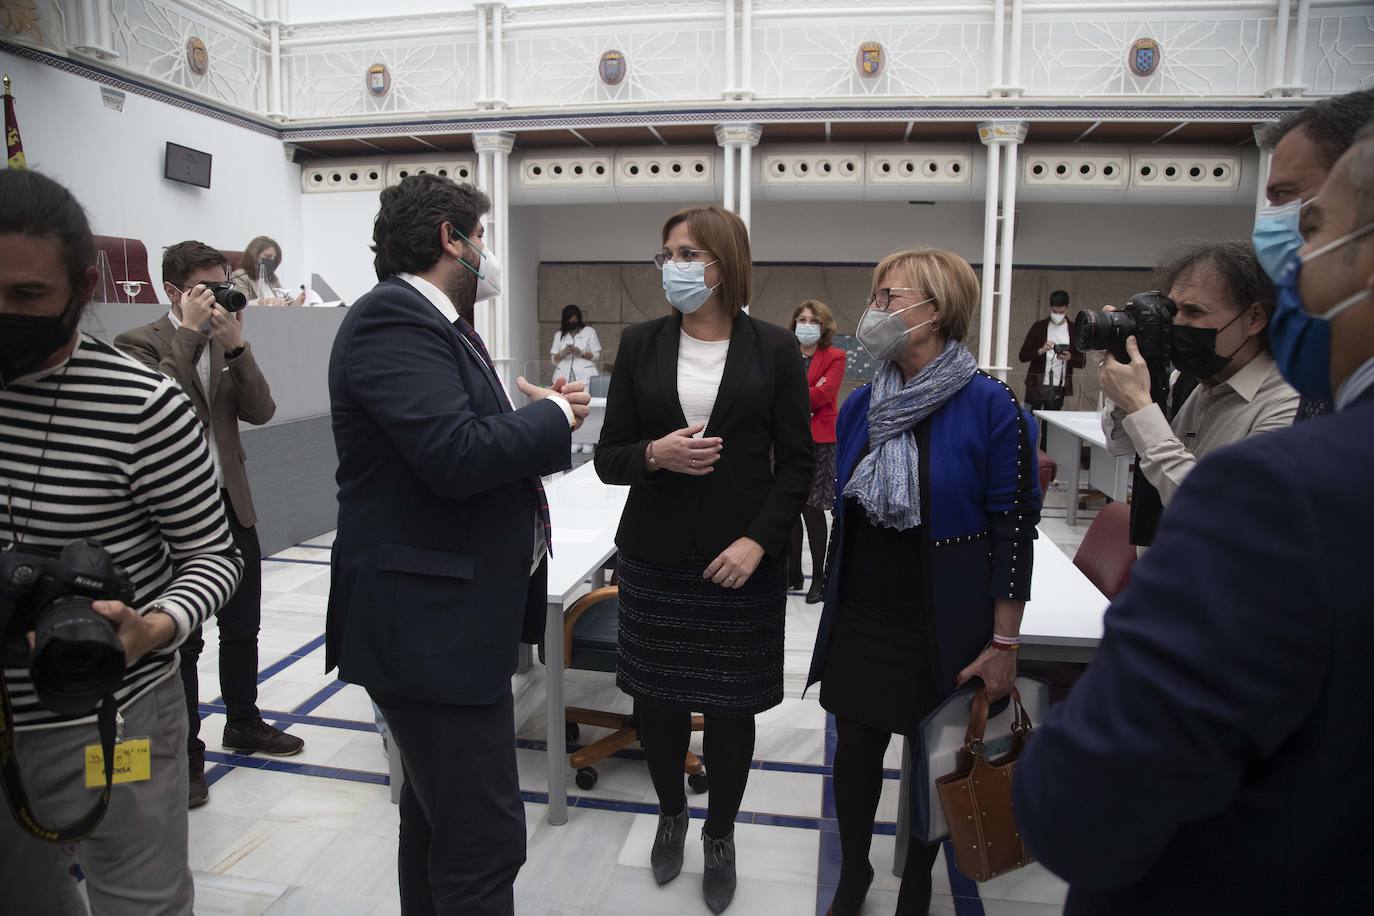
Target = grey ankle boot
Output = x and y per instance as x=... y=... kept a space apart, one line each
x=718 y=880
x=669 y=841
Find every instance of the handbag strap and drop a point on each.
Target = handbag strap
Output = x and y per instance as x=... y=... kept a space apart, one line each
x=978 y=720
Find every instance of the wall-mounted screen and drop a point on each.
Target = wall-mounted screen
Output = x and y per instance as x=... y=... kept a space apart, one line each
x=187 y=165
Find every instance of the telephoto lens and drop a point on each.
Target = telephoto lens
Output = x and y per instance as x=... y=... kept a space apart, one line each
x=77 y=656
x=229 y=299
x=1104 y=331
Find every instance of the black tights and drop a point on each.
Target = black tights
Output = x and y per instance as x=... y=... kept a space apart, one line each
x=815 y=535
x=858 y=784
x=729 y=751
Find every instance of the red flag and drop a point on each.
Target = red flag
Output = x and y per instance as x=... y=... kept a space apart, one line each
x=14 y=148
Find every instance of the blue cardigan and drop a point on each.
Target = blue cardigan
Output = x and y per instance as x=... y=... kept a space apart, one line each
x=980 y=503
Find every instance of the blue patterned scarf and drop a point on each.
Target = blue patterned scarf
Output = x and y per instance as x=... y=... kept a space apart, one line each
x=887 y=482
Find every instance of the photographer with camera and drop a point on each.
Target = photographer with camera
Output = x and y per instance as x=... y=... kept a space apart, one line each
x=96 y=447
x=1222 y=301
x=1050 y=350
x=199 y=343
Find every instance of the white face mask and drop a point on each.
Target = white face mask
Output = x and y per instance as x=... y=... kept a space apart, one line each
x=808 y=334
x=1058 y=318
x=489 y=276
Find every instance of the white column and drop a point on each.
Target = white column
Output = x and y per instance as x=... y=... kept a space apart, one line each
x=493 y=321
x=993 y=191
x=498 y=78
x=482 y=91
x=1008 y=134
x=1295 y=79
x=1266 y=158
x=747 y=45
x=741 y=137
x=730 y=81
x=1014 y=65
x=274 y=105
x=999 y=23
x=746 y=182
x=1279 y=63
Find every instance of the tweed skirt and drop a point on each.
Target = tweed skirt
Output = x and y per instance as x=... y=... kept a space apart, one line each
x=822 y=495
x=686 y=643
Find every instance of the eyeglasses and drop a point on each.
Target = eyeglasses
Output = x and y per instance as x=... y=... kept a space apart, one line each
x=882 y=299
x=681 y=256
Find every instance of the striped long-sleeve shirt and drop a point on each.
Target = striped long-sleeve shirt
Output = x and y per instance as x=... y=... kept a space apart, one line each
x=100 y=447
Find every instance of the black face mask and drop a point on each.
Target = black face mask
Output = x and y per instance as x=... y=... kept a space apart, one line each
x=1195 y=350
x=269 y=265
x=26 y=342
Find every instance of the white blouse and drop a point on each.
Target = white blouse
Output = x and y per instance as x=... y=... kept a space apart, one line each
x=576 y=366
x=700 y=365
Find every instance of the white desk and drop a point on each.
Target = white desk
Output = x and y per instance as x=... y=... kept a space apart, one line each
x=1066 y=432
x=585 y=514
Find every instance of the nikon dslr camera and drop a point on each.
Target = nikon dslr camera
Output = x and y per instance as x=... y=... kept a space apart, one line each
x=77 y=657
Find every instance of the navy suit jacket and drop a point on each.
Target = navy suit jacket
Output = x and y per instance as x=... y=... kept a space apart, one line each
x=1216 y=756
x=431 y=579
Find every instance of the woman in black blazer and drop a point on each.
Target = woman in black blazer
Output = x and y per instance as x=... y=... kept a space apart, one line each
x=707 y=421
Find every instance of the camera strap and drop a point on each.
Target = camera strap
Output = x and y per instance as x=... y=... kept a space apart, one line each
x=13 y=782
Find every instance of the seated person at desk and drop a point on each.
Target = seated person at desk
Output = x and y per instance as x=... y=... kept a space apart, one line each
x=575 y=348
x=256 y=275
x=1052 y=354
x=1224 y=303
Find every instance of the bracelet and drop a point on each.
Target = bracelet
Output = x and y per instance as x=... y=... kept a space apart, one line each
x=649 y=457
x=1004 y=647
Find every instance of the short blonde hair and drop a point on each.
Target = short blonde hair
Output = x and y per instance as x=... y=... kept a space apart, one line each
x=944 y=277
x=722 y=233
x=823 y=313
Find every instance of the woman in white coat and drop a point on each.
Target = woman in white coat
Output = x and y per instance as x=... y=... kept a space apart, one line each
x=575 y=348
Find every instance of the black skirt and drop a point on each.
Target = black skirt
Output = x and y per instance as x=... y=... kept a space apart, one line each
x=879 y=663
x=822 y=495
x=686 y=643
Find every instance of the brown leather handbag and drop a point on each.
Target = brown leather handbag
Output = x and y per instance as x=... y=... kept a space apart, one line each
x=977 y=798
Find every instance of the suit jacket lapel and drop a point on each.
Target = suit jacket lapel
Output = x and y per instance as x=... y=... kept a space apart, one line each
x=165 y=331
x=737 y=359
x=217 y=363
x=668 y=340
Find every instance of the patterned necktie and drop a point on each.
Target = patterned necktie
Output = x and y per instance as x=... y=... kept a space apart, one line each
x=475 y=339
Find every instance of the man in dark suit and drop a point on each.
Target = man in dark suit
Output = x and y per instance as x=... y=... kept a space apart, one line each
x=1215 y=757
x=440 y=559
x=201 y=346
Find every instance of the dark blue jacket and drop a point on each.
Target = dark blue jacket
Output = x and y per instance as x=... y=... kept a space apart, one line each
x=1218 y=757
x=437 y=505
x=980 y=502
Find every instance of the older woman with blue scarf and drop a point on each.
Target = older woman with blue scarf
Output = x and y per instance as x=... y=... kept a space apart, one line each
x=936 y=508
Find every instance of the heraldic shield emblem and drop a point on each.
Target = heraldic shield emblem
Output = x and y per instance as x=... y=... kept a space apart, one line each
x=870 y=59
x=612 y=68
x=1144 y=56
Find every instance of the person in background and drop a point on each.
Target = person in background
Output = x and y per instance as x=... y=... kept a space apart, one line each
x=202 y=348
x=934 y=523
x=256 y=275
x=1214 y=758
x=1305 y=145
x=440 y=563
x=1224 y=305
x=97 y=446
x=706 y=422
x=576 y=348
x=814 y=326
x=1050 y=349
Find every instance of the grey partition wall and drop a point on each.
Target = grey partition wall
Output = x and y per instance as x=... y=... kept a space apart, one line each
x=291 y=461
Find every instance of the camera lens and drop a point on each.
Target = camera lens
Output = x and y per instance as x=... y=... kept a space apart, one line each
x=229 y=299
x=77 y=657
x=1102 y=330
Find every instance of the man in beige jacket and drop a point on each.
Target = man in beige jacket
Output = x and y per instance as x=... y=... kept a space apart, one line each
x=200 y=345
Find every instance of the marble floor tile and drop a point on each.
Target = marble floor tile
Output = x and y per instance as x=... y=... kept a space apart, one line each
x=791 y=713
x=388 y=908
x=351 y=703
x=322 y=744
x=277 y=852
x=1032 y=884
x=1018 y=908
x=360 y=751
x=306 y=901
x=251 y=793
x=218 y=895
x=332 y=804
x=774 y=792
x=632 y=890
x=285 y=693
x=790 y=745
x=569 y=866
x=781 y=854
x=354 y=864
x=314 y=554
x=211 y=833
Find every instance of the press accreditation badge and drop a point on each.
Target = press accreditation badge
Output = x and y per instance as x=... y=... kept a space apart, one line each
x=133 y=762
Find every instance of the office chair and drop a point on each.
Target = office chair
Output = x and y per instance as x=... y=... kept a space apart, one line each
x=1107 y=554
x=1049 y=469
x=589 y=644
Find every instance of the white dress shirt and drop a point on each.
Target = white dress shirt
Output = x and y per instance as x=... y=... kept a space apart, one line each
x=203 y=370
x=440 y=300
x=700 y=365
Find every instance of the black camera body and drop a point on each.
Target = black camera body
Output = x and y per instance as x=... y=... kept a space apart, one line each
x=77 y=656
x=229 y=298
x=1061 y=349
x=1149 y=318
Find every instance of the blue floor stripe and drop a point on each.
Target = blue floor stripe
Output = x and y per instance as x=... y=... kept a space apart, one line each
x=282 y=664
x=322 y=695
x=302 y=562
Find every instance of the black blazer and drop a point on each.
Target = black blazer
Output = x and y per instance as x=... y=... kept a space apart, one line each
x=762 y=407
x=437 y=505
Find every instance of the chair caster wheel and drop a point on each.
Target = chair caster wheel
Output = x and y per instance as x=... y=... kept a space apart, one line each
x=586 y=779
x=572 y=732
x=698 y=783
